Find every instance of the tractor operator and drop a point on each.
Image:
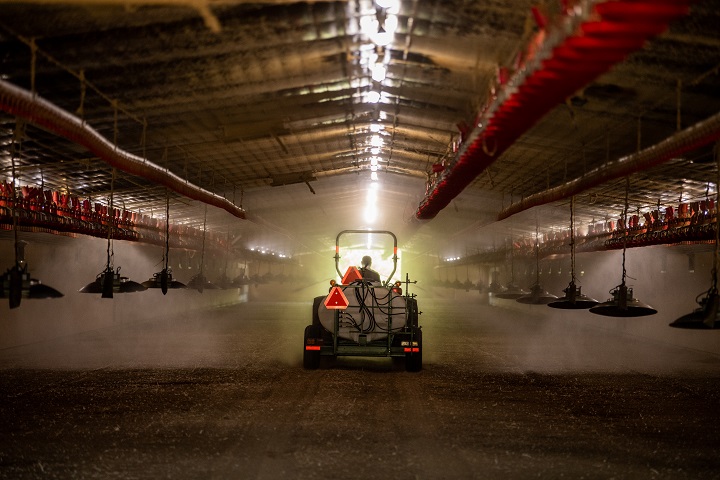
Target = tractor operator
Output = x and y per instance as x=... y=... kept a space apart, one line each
x=368 y=273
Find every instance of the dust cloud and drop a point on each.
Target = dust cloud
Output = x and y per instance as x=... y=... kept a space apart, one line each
x=541 y=339
x=264 y=323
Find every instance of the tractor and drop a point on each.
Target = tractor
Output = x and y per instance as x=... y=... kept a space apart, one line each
x=365 y=318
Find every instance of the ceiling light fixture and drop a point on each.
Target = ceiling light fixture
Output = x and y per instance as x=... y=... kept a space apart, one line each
x=163 y=279
x=707 y=315
x=388 y=3
x=494 y=286
x=378 y=72
x=511 y=291
x=109 y=281
x=373 y=96
x=199 y=282
x=574 y=298
x=622 y=303
x=16 y=283
x=537 y=295
x=382 y=38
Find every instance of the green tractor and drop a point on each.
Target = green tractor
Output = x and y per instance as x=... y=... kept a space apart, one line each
x=365 y=317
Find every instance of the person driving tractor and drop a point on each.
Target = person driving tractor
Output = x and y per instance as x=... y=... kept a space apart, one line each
x=368 y=273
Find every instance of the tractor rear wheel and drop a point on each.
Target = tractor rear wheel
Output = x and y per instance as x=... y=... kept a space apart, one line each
x=412 y=312
x=311 y=358
x=413 y=360
x=317 y=301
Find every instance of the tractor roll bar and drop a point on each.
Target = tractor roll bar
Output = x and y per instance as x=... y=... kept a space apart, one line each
x=372 y=232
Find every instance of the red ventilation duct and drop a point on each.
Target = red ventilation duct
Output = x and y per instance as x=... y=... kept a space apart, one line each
x=613 y=30
x=19 y=102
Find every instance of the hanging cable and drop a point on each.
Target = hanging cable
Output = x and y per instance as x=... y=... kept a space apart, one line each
x=625 y=223
x=716 y=256
x=110 y=252
x=202 y=254
x=33 y=65
x=537 y=252
x=166 y=254
x=83 y=91
x=572 y=239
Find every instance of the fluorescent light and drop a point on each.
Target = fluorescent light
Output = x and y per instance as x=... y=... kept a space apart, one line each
x=373 y=176
x=391 y=24
x=368 y=25
x=393 y=4
x=382 y=38
x=373 y=96
x=379 y=72
x=376 y=141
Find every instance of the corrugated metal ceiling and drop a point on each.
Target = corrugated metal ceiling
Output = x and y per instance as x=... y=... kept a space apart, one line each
x=280 y=94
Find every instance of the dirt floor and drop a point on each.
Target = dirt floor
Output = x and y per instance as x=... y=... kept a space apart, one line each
x=222 y=394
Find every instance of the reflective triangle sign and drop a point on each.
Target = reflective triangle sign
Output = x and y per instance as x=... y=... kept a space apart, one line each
x=351 y=275
x=336 y=300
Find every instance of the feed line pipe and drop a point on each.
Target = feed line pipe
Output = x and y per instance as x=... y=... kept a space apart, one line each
x=22 y=103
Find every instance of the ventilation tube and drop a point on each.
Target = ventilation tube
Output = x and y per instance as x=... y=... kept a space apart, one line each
x=699 y=135
x=19 y=102
x=570 y=58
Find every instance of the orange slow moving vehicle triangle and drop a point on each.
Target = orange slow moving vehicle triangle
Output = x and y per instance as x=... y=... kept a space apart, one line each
x=336 y=300
x=351 y=275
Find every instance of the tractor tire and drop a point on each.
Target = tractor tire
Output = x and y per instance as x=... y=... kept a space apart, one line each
x=311 y=358
x=412 y=312
x=413 y=360
x=317 y=301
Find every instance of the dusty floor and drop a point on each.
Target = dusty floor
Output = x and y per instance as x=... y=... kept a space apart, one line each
x=223 y=395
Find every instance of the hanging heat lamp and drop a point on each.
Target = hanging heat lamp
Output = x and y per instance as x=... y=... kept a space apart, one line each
x=511 y=291
x=241 y=280
x=164 y=279
x=225 y=283
x=494 y=286
x=622 y=303
x=707 y=315
x=199 y=282
x=537 y=295
x=456 y=284
x=16 y=283
x=574 y=299
x=467 y=284
x=109 y=280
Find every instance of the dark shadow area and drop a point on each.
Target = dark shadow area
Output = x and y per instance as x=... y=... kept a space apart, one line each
x=221 y=393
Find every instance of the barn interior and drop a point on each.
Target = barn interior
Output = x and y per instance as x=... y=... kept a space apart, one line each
x=523 y=153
